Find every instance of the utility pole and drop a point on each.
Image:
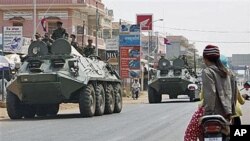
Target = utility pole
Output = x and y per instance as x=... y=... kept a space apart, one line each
x=83 y=24
x=34 y=17
x=97 y=22
x=194 y=61
x=3 y=99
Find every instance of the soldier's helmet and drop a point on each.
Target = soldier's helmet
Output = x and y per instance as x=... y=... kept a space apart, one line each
x=59 y=23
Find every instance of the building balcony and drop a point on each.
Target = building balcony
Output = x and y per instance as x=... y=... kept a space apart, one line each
x=14 y=3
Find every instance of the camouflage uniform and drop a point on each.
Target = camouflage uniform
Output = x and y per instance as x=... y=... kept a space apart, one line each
x=58 y=33
x=89 y=50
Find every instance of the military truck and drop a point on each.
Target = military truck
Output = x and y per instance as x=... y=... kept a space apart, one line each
x=173 y=79
x=45 y=80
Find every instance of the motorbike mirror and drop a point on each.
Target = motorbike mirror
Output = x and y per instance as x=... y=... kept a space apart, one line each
x=247 y=85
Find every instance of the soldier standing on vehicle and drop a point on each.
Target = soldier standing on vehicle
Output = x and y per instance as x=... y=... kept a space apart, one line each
x=75 y=44
x=48 y=41
x=59 y=32
x=38 y=37
x=89 y=49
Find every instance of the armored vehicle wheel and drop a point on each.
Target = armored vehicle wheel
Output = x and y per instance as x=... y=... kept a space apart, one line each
x=53 y=109
x=158 y=98
x=172 y=97
x=153 y=97
x=14 y=106
x=87 y=101
x=118 y=98
x=29 y=111
x=191 y=95
x=100 y=100
x=41 y=110
x=109 y=100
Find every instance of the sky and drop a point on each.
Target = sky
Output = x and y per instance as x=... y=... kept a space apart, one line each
x=225 y=23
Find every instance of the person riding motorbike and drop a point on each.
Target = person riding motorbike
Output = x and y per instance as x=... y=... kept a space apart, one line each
x=214 y=77
x=135 y=89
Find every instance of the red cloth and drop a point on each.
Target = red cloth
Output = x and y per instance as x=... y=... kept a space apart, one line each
x=193 y=130
x=43 y=22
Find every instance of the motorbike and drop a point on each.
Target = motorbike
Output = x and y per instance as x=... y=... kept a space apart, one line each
x=216 y=127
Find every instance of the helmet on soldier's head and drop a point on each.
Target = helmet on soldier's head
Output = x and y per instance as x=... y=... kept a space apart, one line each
x=59 y=23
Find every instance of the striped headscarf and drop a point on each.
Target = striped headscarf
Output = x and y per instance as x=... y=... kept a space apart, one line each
x=211 y=52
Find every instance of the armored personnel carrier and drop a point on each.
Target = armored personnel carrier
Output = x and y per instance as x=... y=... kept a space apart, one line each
x=172 y=79
x=46 y=80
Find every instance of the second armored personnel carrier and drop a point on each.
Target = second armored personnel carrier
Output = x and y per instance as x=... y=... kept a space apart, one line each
x=46 y=80
x=172 y=79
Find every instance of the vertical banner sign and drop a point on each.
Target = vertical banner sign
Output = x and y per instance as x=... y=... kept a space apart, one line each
x=145 y=21
x=12 y=39
x=129 y=42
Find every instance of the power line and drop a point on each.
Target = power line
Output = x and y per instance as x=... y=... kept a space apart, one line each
x=222 y=42
x=205 y=41
x=206 y=31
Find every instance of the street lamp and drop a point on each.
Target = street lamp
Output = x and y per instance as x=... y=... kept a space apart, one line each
x=151 y=32
x=150 y=42
x=150 y=36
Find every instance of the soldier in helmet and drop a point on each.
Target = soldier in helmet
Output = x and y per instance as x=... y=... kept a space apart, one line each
x=89 y=49
x=59 y=32
x=162 y=58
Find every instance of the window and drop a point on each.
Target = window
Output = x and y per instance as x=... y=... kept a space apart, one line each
x=17 y=24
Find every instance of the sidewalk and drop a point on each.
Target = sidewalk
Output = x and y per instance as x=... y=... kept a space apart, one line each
x=143 y=98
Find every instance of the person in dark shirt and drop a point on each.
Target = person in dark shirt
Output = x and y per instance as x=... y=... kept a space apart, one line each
x=75 y=44
x=48 y=41
x=37 y=37
x=59 y=32
x=89 y=49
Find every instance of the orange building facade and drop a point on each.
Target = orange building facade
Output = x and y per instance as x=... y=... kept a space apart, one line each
x=78 y=17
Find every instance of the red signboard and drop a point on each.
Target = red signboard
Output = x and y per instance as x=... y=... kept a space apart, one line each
x=129 y=62
x=145 y=21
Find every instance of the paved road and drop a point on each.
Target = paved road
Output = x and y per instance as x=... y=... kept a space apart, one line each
x=137 y=122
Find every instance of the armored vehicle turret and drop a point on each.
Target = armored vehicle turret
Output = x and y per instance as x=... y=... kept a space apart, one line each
x=172 y=78
x=47 y=79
